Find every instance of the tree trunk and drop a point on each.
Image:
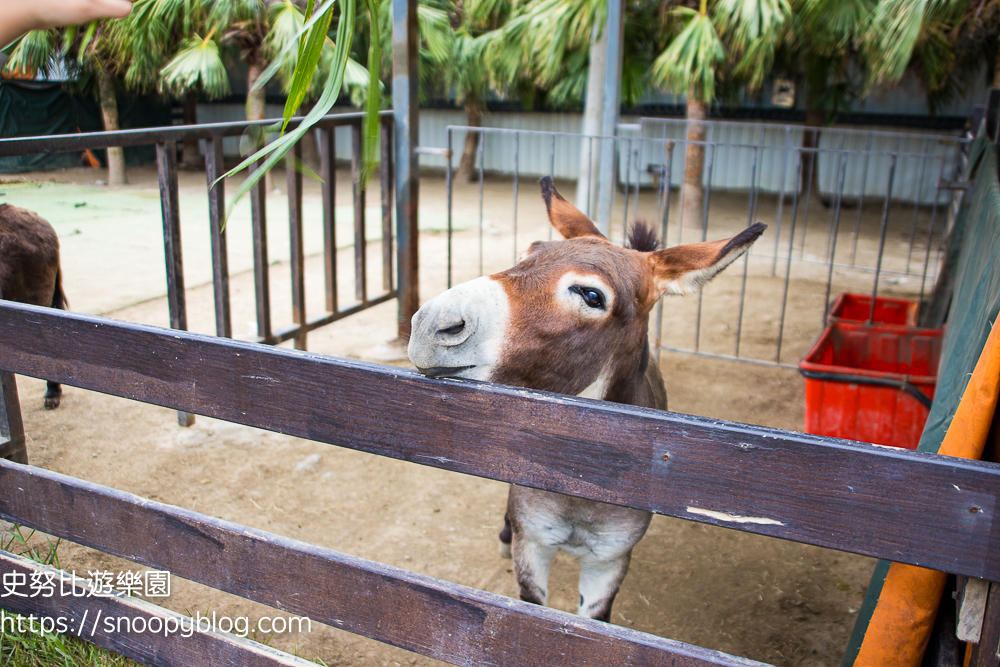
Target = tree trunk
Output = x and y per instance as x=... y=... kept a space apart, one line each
x=467 y=167
x=810 y=139
x=191 y=158
x=693 y=190
x=590 y=150
x=256 y=100
x=109 y=109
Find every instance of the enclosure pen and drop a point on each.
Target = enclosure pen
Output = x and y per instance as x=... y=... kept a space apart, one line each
x=909 y=507
x=908 y=172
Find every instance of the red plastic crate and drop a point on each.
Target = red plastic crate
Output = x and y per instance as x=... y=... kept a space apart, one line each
x=851 y=307
x=873 y=384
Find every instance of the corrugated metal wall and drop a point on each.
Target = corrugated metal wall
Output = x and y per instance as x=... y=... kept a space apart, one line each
x=549 y=144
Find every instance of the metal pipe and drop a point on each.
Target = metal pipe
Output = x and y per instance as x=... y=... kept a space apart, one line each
x=881 y=242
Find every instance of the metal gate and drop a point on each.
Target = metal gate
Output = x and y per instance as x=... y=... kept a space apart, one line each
x=857 y=210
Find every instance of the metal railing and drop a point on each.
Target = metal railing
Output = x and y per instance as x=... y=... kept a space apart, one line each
x=211 y=135
x=887 y=228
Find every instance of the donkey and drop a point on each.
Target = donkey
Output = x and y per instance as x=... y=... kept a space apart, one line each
x=570 y=317
x=29 y=268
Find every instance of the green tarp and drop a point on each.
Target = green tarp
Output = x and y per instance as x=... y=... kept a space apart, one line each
x=35 y=108
x=974 y=307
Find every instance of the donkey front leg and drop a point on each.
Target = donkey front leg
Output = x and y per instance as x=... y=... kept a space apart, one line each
x=599 y=584
x=532 y=561
x=53 y=392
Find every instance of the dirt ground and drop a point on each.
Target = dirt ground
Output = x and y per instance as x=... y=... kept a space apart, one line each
x=774 y=601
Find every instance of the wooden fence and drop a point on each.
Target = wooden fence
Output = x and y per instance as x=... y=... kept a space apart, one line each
x=904 y=506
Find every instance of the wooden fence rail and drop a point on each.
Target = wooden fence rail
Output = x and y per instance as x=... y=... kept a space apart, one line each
x=458 y=624
x=883 y=502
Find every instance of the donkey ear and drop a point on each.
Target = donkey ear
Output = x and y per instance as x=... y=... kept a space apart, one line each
x=566 y=218
x=684 y=268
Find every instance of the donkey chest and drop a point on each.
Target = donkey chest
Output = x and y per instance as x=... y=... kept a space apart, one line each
x=576 y=526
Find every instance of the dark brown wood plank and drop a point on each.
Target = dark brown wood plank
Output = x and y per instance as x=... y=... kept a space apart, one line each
x=360 y=241
x=86 y=617
x=328 y=174
x=214 y=168
x=987 y=652
x=261 y=276
x=12 y=441
x=166 y=168
x=918 y=508
x=297 y=256
x=386 y=177
x=458 y=624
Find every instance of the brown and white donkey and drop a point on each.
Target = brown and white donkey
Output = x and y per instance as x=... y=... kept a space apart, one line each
x=571 y=317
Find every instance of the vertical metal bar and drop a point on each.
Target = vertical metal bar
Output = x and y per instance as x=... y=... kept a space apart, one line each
x=517 y=146
x=836 y=230
x=328 y=174
x=166 y=168
x=665 y=178
x=214 y=168
x=261 y=269
x=482 y=158
x=861 y=199
x=927 y=255
x=552 y=170
x=781 y=199
x=611 y=107
x=297 y=257
x=447 y=178
x=360 y=240
x=805 y=217
x=628 y=172
x=917 y=189
x=386 y=179
x=405 y=105
x=881 y=242
x=704 y=235
x=746 y=258
x=680 y=203
x=788 y=261
x=638 y=164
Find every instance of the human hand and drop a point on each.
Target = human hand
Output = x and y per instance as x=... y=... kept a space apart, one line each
x=20 y=17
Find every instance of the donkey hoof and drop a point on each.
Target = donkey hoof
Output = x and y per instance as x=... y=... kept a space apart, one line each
x=52 y=403
x=504 y=549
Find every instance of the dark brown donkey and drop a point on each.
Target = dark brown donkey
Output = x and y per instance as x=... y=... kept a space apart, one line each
x=29 y=268
x=571 y=317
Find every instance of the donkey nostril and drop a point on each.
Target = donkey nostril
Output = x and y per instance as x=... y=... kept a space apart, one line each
x=452 y=331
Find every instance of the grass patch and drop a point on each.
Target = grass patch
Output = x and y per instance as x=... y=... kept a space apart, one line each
x=45 y=649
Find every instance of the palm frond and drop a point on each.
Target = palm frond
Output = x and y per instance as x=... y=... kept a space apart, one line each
x=197 y=63
x=688 y=65
x=34 y=52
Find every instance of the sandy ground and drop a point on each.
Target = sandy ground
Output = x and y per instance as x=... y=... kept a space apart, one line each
x=774 y=601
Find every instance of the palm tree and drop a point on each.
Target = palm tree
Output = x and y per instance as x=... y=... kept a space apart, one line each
x=98 y=52
x=558 y=62
x=183 y=41
x=820 y=51
x=943 y=44
x=737 y=36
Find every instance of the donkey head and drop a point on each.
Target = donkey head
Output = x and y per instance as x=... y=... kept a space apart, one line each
x=571 y=316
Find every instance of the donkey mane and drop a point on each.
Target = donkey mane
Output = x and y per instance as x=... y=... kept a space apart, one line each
x=642 y=237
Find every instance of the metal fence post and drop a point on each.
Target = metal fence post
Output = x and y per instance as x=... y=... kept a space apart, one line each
x=615 y=26
x=166 y=167
x=405 y=38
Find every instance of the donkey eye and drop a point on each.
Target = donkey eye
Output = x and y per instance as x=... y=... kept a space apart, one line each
x=591 y=296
